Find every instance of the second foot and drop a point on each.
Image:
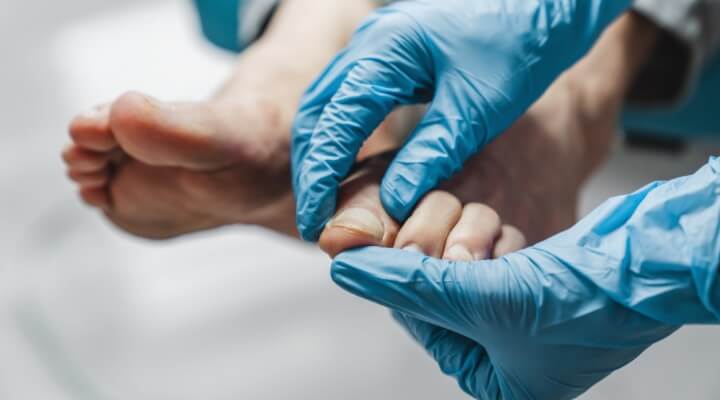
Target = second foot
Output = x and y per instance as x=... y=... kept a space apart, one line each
x=441 y=225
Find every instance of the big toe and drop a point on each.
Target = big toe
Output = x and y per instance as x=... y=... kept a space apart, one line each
x=360 y=219
x=91 y=130
x=170 y=134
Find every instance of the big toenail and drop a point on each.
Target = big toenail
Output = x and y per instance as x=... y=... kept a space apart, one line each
x=459 y=252
x=359 y=220
x=95 y=112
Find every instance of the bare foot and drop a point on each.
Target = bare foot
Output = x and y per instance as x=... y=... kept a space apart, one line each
x=160 y=170
x=519 y=190
x=524 y=186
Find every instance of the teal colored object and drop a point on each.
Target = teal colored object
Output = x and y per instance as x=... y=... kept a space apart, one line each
x=698 y=116
x=480 y=65
x=550 y=321
x=219 y=22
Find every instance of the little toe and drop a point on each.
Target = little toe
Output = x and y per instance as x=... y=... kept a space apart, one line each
x=96 y=197
x=509 y=241
x=360 y=219
x=91 y=130
x=428 y=227
x=473 y=236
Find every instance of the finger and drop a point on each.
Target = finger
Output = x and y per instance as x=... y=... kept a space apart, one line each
x=510 y=240
x=456 y=355
x=473 y=236
x=429 y=225
x=441 y=292
x=441 y=143
x=323 y=153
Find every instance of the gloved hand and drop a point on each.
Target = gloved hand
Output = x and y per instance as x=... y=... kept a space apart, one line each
x=481 y=64
x=550 y=321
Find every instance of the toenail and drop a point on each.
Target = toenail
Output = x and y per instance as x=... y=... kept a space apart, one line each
x=359 y=220
x=95 y=112
x=90 y=114
x=153 y=102
x=459 y=252
x=413 y=248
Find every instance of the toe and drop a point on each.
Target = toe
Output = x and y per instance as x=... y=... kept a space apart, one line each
x=96 y=197
x=172 y=135
x=80 y=159
x=89 y=180
x=473 y=236
x=510 y=240
x=430 y=224
x=360 y=219
x=91 y=130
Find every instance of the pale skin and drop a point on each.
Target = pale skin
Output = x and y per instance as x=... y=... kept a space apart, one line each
x=161 y=170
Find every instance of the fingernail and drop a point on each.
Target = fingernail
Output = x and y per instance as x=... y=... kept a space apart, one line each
x=359 y=220
x=413 y=248
x=459 y=252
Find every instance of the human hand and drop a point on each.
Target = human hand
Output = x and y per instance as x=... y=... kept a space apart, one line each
x=550 y=321
x=479 y=64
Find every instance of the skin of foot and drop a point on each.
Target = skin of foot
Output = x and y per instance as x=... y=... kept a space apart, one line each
x=159 y=170
x=524 y=186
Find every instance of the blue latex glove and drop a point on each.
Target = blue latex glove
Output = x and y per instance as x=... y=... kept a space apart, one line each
x=550 y=321
x=481 y=64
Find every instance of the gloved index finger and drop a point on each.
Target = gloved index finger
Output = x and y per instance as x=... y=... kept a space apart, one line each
x=323 y=153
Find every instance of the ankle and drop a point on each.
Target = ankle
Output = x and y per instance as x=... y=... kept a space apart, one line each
x=600 y=83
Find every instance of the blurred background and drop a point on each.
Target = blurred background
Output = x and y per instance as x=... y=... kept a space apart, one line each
x=88 y=313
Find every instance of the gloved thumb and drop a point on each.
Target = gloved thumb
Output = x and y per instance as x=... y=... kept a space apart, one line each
x=444 y=293
x=457 y=356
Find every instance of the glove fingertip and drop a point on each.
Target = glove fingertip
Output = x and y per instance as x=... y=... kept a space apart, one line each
x=397 y=198
x=347 y=273
x=358 y=261
x=311 y=223
x=373 y=273
x=315 y=203
x=308 y=234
